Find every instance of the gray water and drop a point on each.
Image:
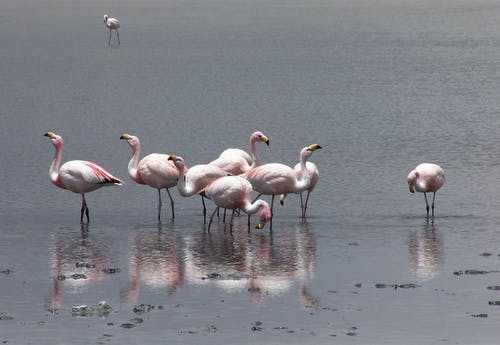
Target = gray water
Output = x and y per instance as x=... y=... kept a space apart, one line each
x=380 y=85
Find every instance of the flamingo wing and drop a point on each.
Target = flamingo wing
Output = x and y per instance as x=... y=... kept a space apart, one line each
x=82 y=176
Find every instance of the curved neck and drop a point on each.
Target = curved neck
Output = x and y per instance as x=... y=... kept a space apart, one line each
x=250 y=208
x=304 y=183
x=181 y=183
x=253 y=151
x=54 y=167
x=134 y=161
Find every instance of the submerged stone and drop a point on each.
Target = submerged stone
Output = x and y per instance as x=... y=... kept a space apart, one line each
x=6 y=317
x=82 y=310
x=142 y=308
x=110 y=270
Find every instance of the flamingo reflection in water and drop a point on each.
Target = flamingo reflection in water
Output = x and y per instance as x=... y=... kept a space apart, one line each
x=263 y=265
x=155 y=260
x=425 y=252
x=78 y=262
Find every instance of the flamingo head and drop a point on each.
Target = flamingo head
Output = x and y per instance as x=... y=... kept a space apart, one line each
x=412 y=180
x=259 y=136
x=178 y=161
x=308 y=150
x=132 y=140
x=264 y=215
x=106 y=18
x=56 y=140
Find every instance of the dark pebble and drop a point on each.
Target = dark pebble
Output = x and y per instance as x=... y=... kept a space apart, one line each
x=256 y=329
x=254 y=289
x=213 y=276
x=408 y=286
x=495 y=287
x=127 y=325
x=479 y=315
x=77 y=276
x=351 y=334
x=5 y=316
x=137 y=320
x=485 y=254
x=110 y=270
x=142 y=308
x=7 y=271
x=494 y=302
x=358 y=285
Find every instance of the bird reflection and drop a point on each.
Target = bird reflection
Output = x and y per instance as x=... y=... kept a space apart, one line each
x=77 y=262
x=263 y=264
x=155 y=260
x=425 y=252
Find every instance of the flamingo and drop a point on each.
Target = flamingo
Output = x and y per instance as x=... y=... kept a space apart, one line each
x=235 y=192
x=276 y=178
x=196 y=178
x=112 y=24
x=314 y=174
x=154 y=170
x=426 y=178
x=236 y=161
x=78 y=176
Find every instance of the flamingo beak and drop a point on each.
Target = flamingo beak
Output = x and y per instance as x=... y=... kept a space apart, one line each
x=172 y=158
x=261 y=225
x=51 y=135
x=266 y=140
x=410 y=187
x=282 y=199
x=314 y=147
x=125 y=136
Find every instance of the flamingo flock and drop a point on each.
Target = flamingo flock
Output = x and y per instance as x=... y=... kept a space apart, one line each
x=228 y=181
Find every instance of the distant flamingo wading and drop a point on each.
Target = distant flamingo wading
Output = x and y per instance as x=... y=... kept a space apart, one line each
x=314 y=175
x=276 y=178
x=112 y=24
x=154 y=170
x=77 y=176
x=235 y=192
x=426 y=178
x=236 y=161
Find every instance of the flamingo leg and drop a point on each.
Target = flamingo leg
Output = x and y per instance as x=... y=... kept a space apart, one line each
x=231 y=222
x=272 y=204
x=84 y=209
x=171 y=203
x=224 y=217
x=118 y=35
x=433 y=199
x=302 y=205
x=159 y=205
x=307 y=201
x=212 y=218
x=426 y=205
x=109 y=38
x=204 y=210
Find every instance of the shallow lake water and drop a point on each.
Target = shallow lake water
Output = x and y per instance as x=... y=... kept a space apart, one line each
x=381 y=86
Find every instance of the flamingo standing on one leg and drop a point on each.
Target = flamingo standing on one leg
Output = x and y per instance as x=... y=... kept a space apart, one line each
x=276 y=178
x=78 y=176
x=112 y=24
x=235 y=192
x=426 y=178
x=196 y=178
x=236 y=161
x=154 y=170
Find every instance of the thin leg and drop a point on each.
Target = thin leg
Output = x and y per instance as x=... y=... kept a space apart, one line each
x=212 y=218
x=433 y=199
x=224 y=216
x=204 y=210
x=171 y=204
x=307 y=201
x=109 y=38
x=231 y=222
x=272 y=204
x=159 y=206
x=84 y=209
x=426 y=205
x=118 y=35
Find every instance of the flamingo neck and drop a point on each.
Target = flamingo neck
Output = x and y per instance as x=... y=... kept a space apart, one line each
x=134 y=161
x=181 y=183
x=54 y=176
x=253 y=151
x=305 y=181
x=250 y=208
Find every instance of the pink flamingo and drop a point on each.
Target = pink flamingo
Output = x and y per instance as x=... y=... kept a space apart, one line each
x=236 y=161
x=276 y=178
x=426 y=178
x=78 y=176
x=112 y=24
x=314 y=174
x=235 y=192
x=196 y=178
x=154 y=170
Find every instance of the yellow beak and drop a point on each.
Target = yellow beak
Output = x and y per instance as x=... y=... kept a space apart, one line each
x=260 y=226
x=410 y=187
x=51 y=135
x=125 y=136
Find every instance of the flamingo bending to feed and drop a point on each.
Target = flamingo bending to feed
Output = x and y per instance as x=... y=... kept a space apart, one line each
x=235 y=192
x=112 y=24
x=196 y=178
x=236 y=161
x=314 y=174
x=276 y=178
x=78 y=176
x=426 y=178
x=154 y=170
